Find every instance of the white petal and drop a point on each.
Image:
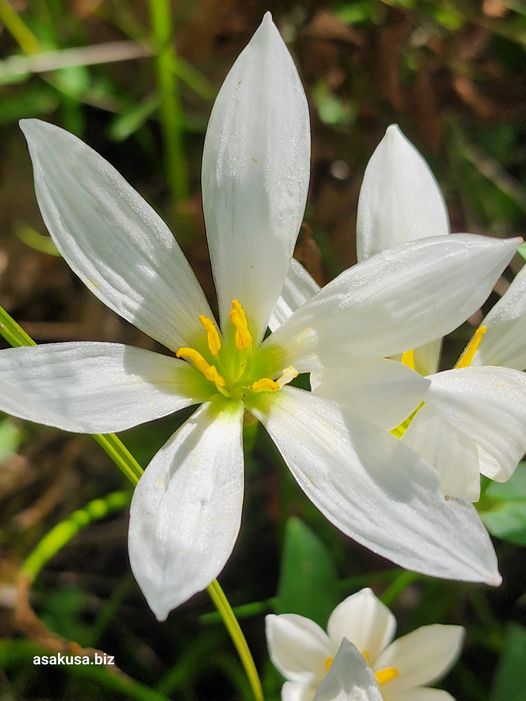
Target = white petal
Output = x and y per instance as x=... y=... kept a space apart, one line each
x=399 y=299
x=186 y=509
x=296 y=691
x=488 y=404
x=427 y=357
x=419 y=694
x=375 y=489
x=453 y=454
x=349 y=678
x=382 y=391
x=297 y=289
x=364 y=621
x=298 y=647
x=422 y=657
x=112 y=239
x=503 y=343
x=255 y=176
x=400 y=200
x=94 y=387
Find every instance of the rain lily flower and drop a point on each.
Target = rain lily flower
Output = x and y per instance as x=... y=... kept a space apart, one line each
x=186 y=509
x=474 y=418
x=403 y=669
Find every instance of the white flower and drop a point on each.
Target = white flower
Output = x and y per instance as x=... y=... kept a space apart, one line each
x=474 y=418
x=403 y=669
x=349 y=679
x=186 y=510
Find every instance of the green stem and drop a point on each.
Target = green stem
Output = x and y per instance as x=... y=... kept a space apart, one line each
x=15 y=335
x=18 y=29
x=403 y=580
x=223 y=606
x=170 y=107
x=61 y=534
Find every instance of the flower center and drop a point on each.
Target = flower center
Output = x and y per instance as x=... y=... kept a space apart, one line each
x=383 y=676
x=465 y=360
x=230 y=361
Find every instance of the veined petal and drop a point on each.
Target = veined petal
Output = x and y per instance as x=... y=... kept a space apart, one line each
x=349 y=679
x=94 y=387
x=297 y=289
x=382 y=391
x=398 y=299
x=298 y=647
x=112 y=239
x=365 y=621
x=421 y=657
x=186 y=508
x=400 y=200
x=503 y=343
x=375 y=489
x=487 y=404
x=453 y=454
x=255 y=176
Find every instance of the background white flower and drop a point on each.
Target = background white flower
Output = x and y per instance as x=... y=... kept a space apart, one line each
x=186 y=510
x=403 y=669
x=474 y=419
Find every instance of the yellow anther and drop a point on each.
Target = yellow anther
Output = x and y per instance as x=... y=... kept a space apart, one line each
x=238 y=318
x=212 y=375
x=328 y=663
x=408 y=358
x=213 y=338
x=287 y=376
x=399 y=431
x=467 y=356
x=367 y=656
x=265 y=385
x=209 y=371
x=383 y=676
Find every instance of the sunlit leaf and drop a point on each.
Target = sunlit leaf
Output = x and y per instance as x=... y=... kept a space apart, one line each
x=308 y=581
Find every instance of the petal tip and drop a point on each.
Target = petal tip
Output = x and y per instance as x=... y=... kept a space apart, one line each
x=393 y=131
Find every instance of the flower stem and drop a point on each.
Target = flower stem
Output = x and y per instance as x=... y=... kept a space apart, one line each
x=15 y=335
x=223 y=606
x=170 y=107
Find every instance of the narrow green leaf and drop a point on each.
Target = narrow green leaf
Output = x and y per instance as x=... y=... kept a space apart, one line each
x=308 y=584
x=504 y=508
x=510 y=678
x=522 y=250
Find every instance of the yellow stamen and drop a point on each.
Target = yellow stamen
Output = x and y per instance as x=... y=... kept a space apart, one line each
x=238 y=318
x=328 y=663
x=399 y=431
x=286 y=376
x=209 y=371
x=367 y=656
x=383 y=676
x=408 y=358
x=467 y=356
x=265 y=385
x=214 y=340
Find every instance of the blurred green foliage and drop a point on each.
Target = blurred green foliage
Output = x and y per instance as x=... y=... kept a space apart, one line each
x=137 y=81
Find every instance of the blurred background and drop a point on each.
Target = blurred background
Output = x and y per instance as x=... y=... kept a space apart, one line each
x=137 y=80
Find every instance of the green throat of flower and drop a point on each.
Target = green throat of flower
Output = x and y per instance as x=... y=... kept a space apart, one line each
x=231 y=363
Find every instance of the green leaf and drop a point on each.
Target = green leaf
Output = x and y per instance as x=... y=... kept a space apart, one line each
x=510 y=678
x=10 y=438
x=504 y=508
x=522 y=250
x=308 y=584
